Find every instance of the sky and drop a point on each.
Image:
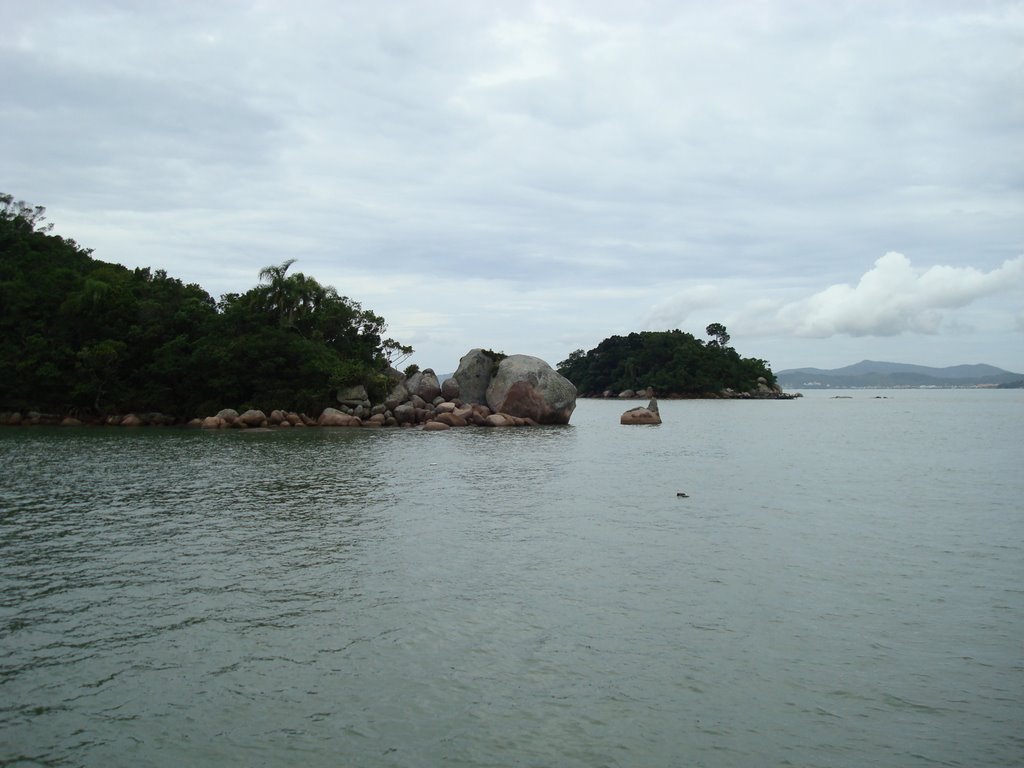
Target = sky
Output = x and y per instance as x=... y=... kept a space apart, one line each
x=832 y=181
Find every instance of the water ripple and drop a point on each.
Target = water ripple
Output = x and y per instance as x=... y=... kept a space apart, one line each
x=532 y=597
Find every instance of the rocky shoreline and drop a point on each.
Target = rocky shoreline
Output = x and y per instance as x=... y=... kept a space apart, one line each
x=487 y=390
x=763 y=391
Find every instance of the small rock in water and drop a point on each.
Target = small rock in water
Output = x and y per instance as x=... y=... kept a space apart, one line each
x=683 y=495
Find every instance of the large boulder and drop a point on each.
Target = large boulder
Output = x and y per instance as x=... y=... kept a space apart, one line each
x=450 y=419
x=641 y=415
x=498 y=420
x=424 y=383
x=332 y=417
x=405 y=413
x=528 y=387
x=474 y=376
x=353 y=396
x=253 y=418
x=450 y=388
x=399 y=394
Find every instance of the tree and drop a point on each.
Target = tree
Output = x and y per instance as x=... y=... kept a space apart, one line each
x=395 y=352
x=672 y=362
x=281 y=294
x=79 y=333
x=19 y=211
x=721 y=336
x=97 y=367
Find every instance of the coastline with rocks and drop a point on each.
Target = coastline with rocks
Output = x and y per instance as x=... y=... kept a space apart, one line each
x=487 y=390
x=763 y=391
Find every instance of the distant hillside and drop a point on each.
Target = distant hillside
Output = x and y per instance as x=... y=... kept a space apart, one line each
x=880 y=375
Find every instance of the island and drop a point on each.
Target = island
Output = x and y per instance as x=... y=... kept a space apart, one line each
x=670 y=364
x=83 y=341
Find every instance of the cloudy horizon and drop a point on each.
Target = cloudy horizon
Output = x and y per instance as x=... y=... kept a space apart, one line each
x=832 y=182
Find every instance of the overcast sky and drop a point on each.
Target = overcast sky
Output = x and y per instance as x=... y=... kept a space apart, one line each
x=831 y=180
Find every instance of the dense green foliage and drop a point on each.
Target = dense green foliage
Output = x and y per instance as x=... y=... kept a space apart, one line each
x=671 y=362
x=83 y=336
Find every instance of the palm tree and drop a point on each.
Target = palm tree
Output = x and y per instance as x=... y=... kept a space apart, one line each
x=281 y=292
x=293 y=297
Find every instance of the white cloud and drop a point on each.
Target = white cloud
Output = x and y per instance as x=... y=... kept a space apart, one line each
x=893 y=298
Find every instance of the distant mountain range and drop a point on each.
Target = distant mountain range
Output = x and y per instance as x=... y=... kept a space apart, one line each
x=879 y=375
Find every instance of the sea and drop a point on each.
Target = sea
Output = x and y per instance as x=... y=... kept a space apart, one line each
x=842 y=584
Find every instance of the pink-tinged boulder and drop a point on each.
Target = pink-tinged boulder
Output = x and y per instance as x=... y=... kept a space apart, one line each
x=229 y=415
x=131 y=420
x=641 y=415
x=497 y=420
x=478 y=414
x=70 y=421
x=212 y=422
x=277 y=417
x=332 y=417
x=451 y=420
x=253 y=418
x=528 y=387
x=435 y=426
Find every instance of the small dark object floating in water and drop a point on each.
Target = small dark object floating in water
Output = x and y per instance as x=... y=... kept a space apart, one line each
x=683 y=495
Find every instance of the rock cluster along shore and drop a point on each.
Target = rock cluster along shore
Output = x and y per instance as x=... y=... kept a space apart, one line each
x=485 y=391
x=516 y=391
x=35 y=418
x=763 y=391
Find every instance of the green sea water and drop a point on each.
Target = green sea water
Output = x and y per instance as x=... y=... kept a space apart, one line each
x=843 y=586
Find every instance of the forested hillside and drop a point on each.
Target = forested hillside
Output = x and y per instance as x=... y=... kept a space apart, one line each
x=671 y=362
x=876 y=374
x=79 y=335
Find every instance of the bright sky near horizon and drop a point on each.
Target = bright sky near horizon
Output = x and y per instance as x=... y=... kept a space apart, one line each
x=833 y=181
